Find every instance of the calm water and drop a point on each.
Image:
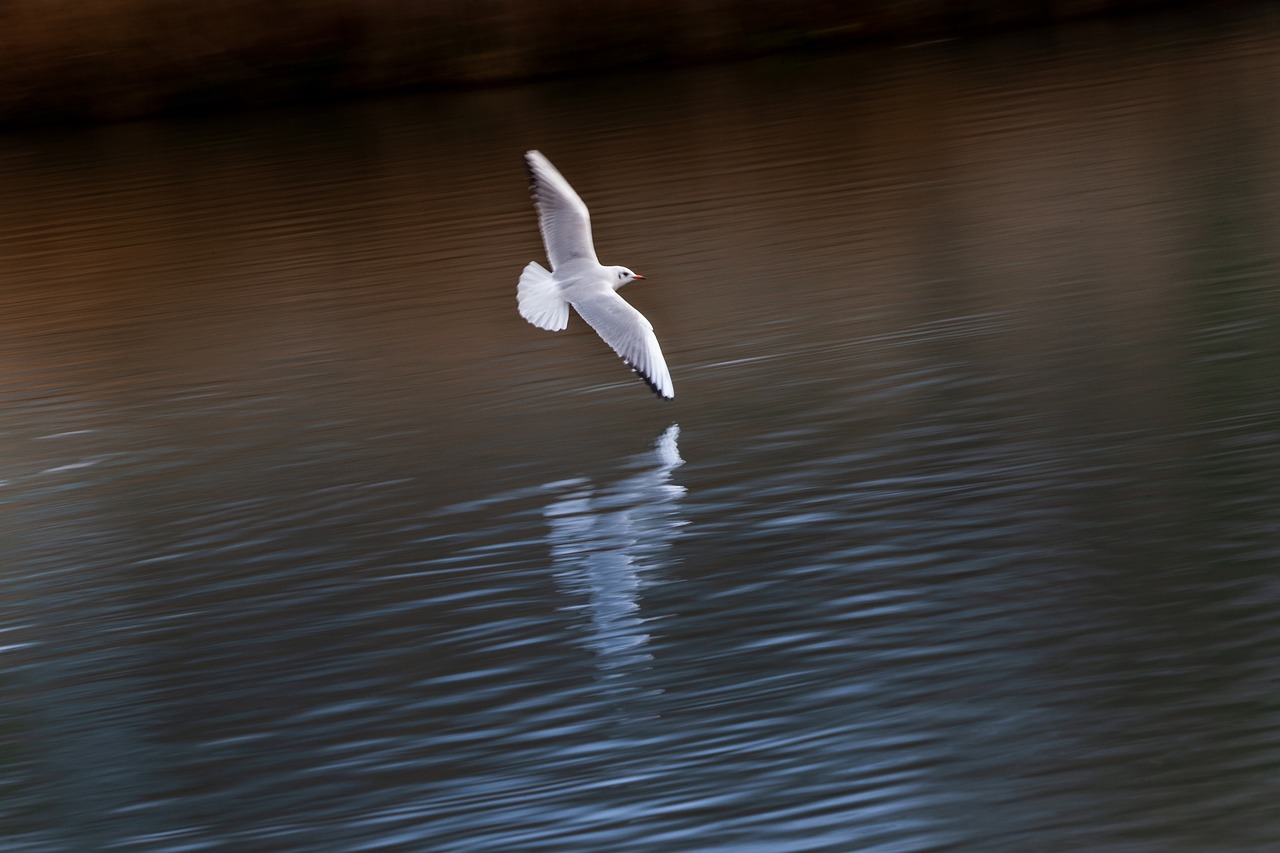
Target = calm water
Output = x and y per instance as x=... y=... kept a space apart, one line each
x=962 y=532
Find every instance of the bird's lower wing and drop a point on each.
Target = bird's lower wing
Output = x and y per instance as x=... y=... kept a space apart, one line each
x=631 y=336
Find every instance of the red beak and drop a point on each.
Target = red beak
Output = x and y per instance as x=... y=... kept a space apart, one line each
x=637 y=275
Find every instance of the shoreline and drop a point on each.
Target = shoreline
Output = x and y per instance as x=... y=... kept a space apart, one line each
x=115 y=60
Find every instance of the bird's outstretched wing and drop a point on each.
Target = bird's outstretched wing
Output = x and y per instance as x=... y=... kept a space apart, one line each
x=631 y=336
x=562 y=216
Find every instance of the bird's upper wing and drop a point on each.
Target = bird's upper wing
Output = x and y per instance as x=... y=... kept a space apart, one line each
x=629 y=333
x=563 y=218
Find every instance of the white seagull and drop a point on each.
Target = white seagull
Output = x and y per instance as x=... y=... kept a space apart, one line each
x=580 y=280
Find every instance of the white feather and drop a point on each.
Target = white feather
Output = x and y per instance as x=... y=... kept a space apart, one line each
x=628 y=332
x=562 y=216
x=540 y=300
x=578 y=279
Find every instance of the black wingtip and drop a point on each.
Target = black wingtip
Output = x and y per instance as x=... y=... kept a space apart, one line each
x=535 y=187
x=647 y=381
x=532 y=175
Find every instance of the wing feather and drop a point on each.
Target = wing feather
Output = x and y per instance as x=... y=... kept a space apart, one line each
x=562 y=215
x=630 y=334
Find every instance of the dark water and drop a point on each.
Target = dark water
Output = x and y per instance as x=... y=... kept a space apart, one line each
x=962 y=532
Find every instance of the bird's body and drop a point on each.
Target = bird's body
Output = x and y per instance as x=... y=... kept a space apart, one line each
x=578 y=278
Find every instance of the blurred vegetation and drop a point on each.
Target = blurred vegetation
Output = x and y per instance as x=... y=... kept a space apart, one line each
x=114 y=59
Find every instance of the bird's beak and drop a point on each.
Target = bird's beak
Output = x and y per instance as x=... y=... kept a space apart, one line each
x=637 y=275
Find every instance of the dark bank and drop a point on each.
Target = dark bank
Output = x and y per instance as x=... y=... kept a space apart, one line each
x=116 y=59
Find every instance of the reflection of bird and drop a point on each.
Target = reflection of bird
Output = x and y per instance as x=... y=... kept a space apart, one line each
x=578 y=279
x=600 y=540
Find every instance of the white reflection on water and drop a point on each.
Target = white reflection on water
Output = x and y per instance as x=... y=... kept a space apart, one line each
x=604 y=539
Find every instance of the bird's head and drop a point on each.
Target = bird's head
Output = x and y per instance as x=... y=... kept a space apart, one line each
x=622 y=275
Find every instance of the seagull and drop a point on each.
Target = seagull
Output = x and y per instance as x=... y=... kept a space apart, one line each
x=577 y=278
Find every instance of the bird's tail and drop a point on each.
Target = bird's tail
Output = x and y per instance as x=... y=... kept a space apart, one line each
x=540 y=300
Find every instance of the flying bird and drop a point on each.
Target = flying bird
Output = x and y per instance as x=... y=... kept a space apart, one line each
x=578 y=278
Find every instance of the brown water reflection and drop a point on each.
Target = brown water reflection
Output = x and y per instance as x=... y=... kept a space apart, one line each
x=964 y=539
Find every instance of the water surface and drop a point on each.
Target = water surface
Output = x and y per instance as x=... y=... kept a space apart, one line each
x=961 y=532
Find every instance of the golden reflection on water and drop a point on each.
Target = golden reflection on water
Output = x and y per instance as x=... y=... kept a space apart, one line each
x=843 y=201
x=1069 y=192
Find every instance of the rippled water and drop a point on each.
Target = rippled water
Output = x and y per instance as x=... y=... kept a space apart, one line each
x=961 y=533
